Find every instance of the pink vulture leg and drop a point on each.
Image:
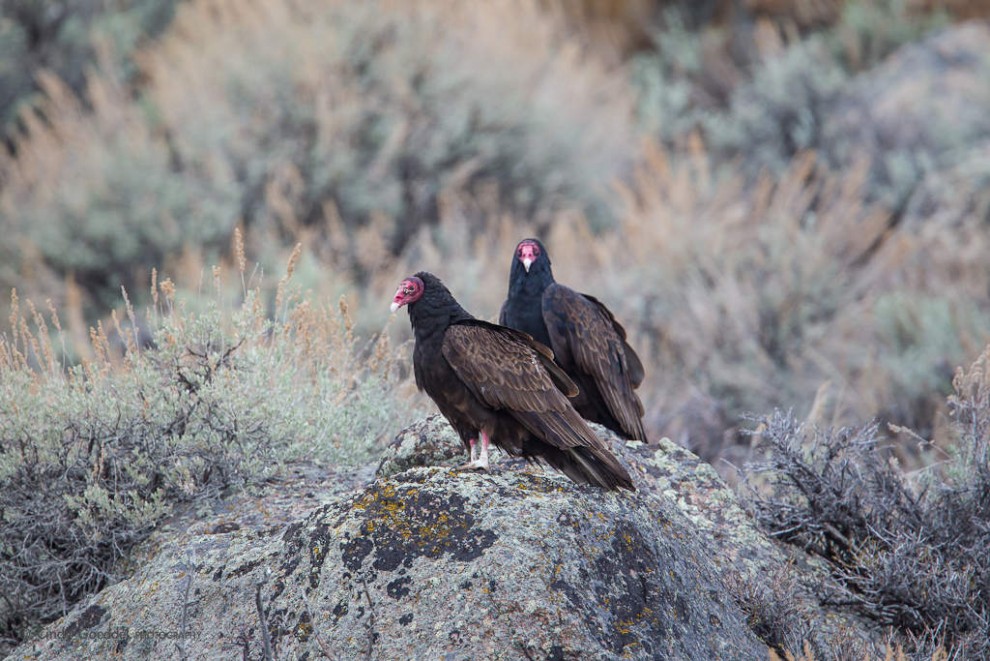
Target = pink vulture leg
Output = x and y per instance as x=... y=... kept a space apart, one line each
x=478 y=462
x=483 y=459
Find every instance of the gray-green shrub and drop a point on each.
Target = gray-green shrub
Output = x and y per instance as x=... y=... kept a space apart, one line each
x=67 y=37
x=93 y=456
x=338 y=112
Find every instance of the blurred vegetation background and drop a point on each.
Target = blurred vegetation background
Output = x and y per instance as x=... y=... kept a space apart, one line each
x=786 y=203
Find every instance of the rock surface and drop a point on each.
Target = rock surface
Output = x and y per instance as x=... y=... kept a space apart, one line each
x=434 y=563
x=430 y=443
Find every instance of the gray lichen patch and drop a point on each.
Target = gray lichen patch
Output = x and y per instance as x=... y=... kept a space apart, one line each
x=405 y=522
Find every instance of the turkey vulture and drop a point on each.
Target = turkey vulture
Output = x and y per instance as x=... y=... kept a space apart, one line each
x=587 y=341
x=498 y=384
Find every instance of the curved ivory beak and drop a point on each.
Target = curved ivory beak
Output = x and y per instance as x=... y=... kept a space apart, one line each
x=395 y=306
x=527 y=262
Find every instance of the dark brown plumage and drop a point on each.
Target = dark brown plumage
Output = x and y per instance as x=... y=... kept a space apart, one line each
x=587 y=341
x=498 y=384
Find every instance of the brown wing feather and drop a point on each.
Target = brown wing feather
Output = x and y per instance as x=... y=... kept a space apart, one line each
x=504 y=371
x=633 y=363
x=502 y=368
x=507 y=370
x=585 y=334
x=544 y=354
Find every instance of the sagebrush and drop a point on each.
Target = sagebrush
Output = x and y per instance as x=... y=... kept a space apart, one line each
x=905 y=548
x=93 y=456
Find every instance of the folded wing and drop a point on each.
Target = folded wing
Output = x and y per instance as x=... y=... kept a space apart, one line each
x=591 y=346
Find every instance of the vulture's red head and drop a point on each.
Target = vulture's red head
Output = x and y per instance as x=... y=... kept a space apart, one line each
x=528 y=251
x=410 y=291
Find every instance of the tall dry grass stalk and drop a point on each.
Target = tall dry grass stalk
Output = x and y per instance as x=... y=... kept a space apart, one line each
x=757 y=297
x=360 y=142
x=337 y=125
x=96 y=455
x=791 y=293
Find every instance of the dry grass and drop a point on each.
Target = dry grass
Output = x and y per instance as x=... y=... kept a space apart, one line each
x=772 y=295
x=330 y=124
x=370 y=141
x=169 y=405
x=905 y=548
x=793 y=294
x=892 y=652
x=790 y=294
x=281 y=164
